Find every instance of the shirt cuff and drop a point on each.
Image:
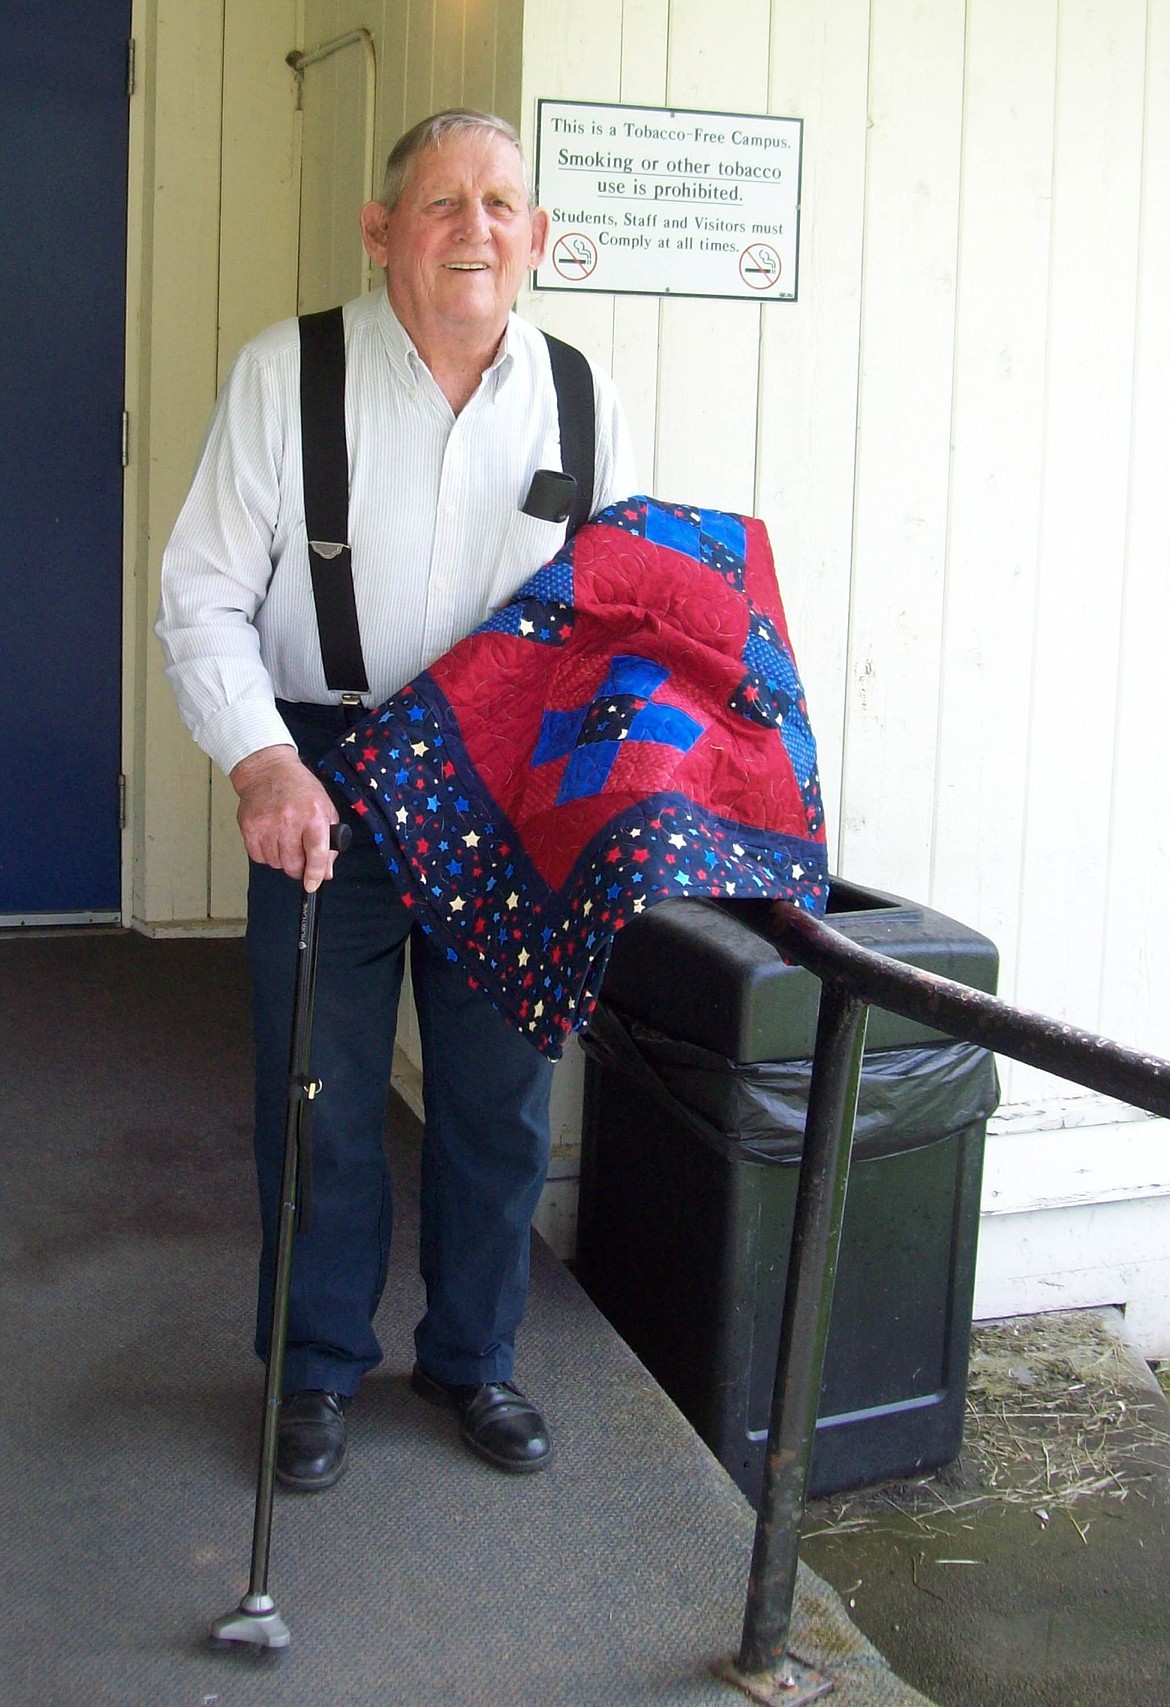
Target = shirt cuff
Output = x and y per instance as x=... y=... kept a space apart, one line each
x=242 y=729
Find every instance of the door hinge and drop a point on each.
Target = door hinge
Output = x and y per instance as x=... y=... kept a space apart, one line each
x=125 y=438
x=121 y=801
x=131 y=66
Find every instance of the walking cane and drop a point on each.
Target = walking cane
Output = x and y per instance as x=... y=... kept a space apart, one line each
x=256 y=1620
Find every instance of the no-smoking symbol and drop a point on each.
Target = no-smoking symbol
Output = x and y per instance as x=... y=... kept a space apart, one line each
x=759 y=266
x=574 y=255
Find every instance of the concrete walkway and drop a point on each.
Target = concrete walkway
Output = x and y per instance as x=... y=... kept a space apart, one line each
x=1034 y=1572
x=424 y=1579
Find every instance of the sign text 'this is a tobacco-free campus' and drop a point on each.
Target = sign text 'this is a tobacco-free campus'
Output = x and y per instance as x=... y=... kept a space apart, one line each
x=663 y=202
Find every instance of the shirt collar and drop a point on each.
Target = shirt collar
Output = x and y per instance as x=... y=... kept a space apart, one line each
x=409 y=365
x=403 y=355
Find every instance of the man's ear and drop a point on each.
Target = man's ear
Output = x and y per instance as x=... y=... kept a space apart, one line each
x=539 y=237
x=375 y=231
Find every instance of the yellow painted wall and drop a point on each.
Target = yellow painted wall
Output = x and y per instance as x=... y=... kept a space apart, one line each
x=233 y=156
x=214 y=177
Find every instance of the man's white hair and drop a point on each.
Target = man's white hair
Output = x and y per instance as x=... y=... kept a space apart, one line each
x=429 y=133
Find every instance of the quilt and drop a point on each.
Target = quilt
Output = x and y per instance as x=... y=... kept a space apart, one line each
x=630 y=727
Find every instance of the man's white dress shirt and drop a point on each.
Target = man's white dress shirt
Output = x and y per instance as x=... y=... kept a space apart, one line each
x=437 y=534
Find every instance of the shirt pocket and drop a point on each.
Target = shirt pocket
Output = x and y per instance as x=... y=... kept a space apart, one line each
x=528 y=544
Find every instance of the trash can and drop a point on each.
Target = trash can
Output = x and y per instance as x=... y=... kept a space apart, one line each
x=698 y=1063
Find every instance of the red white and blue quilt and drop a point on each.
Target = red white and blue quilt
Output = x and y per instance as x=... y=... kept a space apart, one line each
x=630 y=727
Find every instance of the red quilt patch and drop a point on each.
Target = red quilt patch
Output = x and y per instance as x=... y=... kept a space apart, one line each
x=631 y=726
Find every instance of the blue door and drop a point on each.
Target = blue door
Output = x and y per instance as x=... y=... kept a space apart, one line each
x=63 y=146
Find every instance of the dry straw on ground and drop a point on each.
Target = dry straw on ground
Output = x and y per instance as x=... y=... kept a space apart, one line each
x=1054 y=1413
x=1057 y=1411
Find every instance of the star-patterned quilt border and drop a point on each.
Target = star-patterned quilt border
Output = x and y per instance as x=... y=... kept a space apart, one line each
x=539 y=953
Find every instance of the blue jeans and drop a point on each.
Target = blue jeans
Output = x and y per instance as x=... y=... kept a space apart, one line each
x=485 y=1144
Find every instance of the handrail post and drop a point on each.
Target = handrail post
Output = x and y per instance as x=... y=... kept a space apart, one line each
x=763 y=1668
x=852 y=975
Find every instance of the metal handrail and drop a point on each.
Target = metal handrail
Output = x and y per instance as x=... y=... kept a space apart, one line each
x=972 y=1015
x=853 y=979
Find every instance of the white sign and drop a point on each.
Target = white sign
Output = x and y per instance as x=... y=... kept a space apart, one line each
x=662 y=202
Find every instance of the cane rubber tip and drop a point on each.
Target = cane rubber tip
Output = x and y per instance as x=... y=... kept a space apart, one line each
x=244 y=1627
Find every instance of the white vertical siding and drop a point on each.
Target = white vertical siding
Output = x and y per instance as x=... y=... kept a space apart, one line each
x=1137 y=919
x=957 y=436
x=709 y=351
x=908 y=286
x=637 y=319
x=1000 y=367
x=1084 y=499
x=809 y=355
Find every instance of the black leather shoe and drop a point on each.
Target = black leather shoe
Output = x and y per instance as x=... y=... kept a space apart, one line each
x=495 y=1420
x=310 y=1440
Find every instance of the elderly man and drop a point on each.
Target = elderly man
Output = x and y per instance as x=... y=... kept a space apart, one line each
x=450 y=408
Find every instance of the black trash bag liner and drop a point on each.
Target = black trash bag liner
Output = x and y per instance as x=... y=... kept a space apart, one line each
x=909 y=1096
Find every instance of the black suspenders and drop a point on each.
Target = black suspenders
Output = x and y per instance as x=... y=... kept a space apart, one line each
x=573 y=378
x=326 y=475
x=326 y=478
